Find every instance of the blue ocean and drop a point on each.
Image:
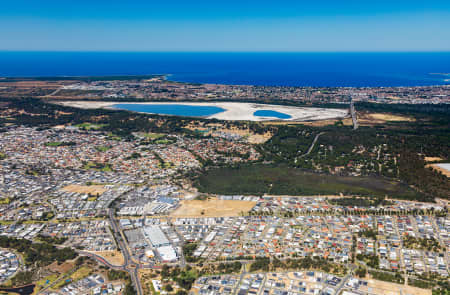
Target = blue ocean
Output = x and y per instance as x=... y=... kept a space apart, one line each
x=270 y=69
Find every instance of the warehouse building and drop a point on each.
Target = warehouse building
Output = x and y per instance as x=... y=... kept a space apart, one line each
x=155 y=236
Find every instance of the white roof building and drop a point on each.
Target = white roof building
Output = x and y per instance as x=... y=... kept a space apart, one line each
x=167 y=253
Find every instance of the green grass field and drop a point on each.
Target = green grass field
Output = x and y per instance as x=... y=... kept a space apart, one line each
x=90 y=126
x=97 y=167
x=283 y=180
x=102 y=148
x=154 y=135
x=53 y=143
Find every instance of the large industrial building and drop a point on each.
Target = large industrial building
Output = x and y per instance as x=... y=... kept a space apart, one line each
x=155 y=236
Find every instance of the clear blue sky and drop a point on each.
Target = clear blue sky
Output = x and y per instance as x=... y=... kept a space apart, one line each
x=214 y=25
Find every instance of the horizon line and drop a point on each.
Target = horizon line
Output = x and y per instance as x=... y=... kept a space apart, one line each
x=219 y=51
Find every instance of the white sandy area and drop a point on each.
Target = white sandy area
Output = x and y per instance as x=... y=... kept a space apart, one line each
x=234 y=110
x=445 y=166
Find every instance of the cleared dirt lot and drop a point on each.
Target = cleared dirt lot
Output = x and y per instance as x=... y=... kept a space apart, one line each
x=432 y=159
x=85 y=189
x=61 y=268
x=113 y=257
x=319 y=123
x=381 y=118
x=212 y=208
x=389 y=117
x=386 y=288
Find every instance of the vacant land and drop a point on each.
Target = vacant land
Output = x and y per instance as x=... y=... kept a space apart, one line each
x=154 y=135
x=212 y=208
x=284 y=180
x=90 y=126
x=81 y=273
x=61 y=268
x=113 y=257
x=97 y=166
x=433 y=159
x=85 y=189
x=318 y=123
x=390 y=117
x=386 y=288
x=369 y=119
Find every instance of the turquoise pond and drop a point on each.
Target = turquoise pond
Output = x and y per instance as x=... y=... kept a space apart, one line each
x=272 y=114
x=171 y=109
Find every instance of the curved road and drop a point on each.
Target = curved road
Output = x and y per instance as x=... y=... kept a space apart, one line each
x=312 y=145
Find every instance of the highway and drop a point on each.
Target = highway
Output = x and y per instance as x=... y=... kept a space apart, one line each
x=129 y=266
x=354 y=116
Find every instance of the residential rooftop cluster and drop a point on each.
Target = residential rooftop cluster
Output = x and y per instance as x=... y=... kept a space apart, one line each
x=40 y=165
x=72 y=205
x=9 y=265
x=90 y=235
x=94 y=192
x=268 y=204
x=329 y=237
x=92 y=285
x=336 y=237
x=160 y=88
x=293 y=283
x=296 y=283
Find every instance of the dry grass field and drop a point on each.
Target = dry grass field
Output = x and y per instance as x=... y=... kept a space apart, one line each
x=389 y=117
x=386 y=288
x=319 y=123
x=113 y=257
x=61 y=268
x=212 y=208
x=379 y=118
x=432 y=159
x=85 y=189
x=259 y=138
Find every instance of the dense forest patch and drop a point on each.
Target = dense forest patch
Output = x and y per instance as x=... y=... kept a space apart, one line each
x=285 y=180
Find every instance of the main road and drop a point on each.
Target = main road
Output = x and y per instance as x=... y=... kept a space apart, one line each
x=132 y=269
